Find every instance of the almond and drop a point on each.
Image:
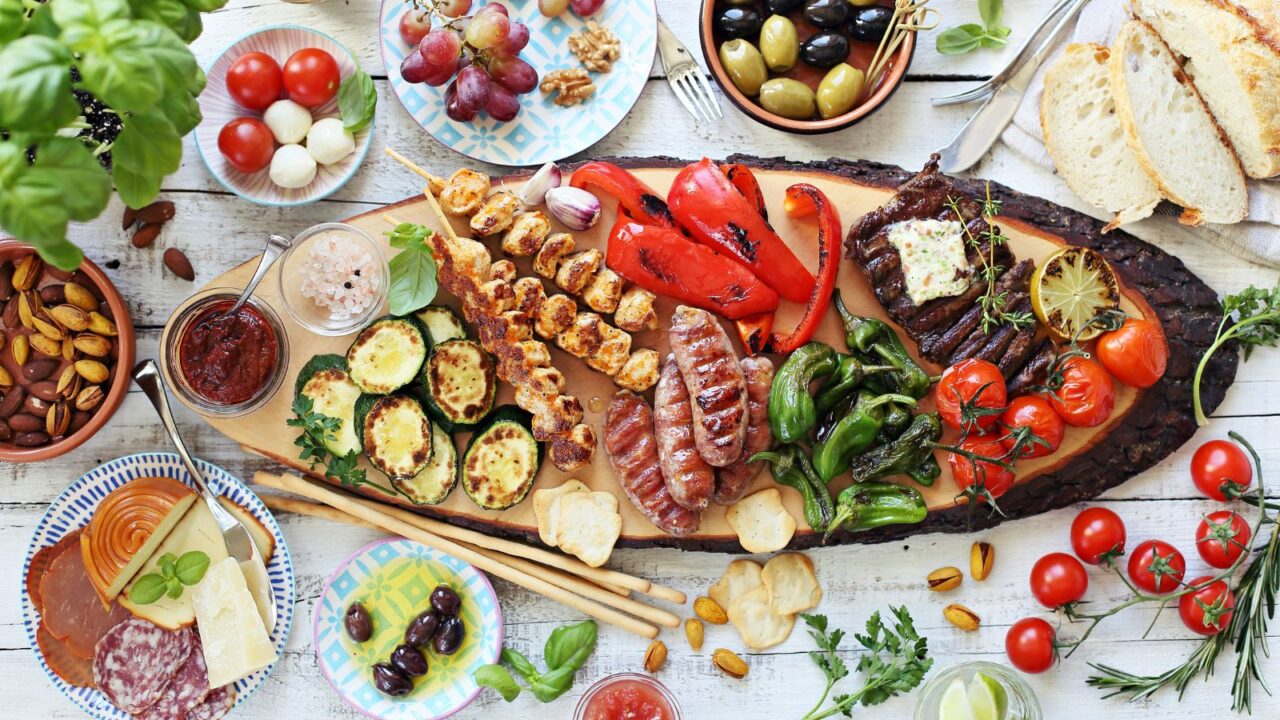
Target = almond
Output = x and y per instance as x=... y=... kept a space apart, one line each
x=93 y=371
x=26 y=272
x=80 y=296
x=70 y=317
x=710 y=610
x=46 y=346
x=981 y=559
x=158 y=212
x=730 y=663
x=178 y=264
x=694 y=631
x=92 y=345
x=962 y=617
x=129 y=218
x=100 y=325
x=11 y=318
x=655 y=657
x=146 y=235
x=944 y=579
x=6 y=281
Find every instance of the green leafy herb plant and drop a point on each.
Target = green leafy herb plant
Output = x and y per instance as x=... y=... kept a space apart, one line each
x=991 y=33
x=413 y=269
x=316 y=429
x=566 y=650
x=1251 y=319
x=174 y=573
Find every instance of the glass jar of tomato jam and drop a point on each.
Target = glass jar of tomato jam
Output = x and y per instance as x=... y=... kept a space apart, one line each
x=628 y=696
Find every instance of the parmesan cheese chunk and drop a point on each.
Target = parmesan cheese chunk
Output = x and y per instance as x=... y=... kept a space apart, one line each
x=235 y=641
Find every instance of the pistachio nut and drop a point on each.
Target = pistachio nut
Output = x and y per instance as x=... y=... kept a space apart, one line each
x=100 y=325
x=93 y=371
x=20 y=349
x=710 y=610
x=92 y=345
x=982 y=556
x=655 y=657
x=89 y=398
x=962 y=617
x=45 y=345
x=47 y=328
x=945 y=578
x=729 y=662
x=694 y=631
x=70 y=317
x=26 y=272
x=57 y=420
x=80 y=297
x=69 y=382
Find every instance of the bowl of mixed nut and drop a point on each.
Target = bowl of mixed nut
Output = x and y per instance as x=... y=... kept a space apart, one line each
x=63 y=337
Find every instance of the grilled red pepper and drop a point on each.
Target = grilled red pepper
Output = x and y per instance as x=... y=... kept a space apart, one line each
x=641 y=202
x=801 y=196
x=717 y=215
x=741 y=177
x=665 y=262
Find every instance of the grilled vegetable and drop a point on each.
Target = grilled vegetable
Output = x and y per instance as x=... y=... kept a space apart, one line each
x=387 y=355
x=396 y=434
x=852 y=434
x=460 y=382
x=906 y=454
x=502 y=460
x=791 y=409
x=790 y=467
x=324 y=379
x=434 y=483
x=867 y=505
x=875 y=338
x=441 y=323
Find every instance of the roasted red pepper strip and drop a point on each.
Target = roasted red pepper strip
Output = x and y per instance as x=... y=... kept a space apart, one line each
x=755 y=332
x=665 y=262
x=829 y=239
x=741 y=177
x=640 y=201
x=716 y=214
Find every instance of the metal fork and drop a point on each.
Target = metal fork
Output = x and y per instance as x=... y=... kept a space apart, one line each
x=691 y=87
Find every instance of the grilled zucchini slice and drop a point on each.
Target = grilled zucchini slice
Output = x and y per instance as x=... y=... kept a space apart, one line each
x=460 y=383
x=396 y=434
x=441 y=323
x=325 y=380
x=438 y=478
x=502 y=460
x=387 y=355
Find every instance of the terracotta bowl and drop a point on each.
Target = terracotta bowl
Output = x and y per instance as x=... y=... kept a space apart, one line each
x=895 y=71
x=119 y=381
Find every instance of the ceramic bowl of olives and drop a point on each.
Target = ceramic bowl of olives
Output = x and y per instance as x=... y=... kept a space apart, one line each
x=802 y=65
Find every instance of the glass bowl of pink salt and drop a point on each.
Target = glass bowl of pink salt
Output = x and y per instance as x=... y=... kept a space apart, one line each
x=334 y=279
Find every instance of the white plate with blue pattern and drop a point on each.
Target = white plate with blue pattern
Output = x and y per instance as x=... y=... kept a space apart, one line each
x=543 y=131
x=74 y=508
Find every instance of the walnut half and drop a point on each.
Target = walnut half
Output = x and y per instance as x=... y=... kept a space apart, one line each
x=572 y=85
x=596 y=47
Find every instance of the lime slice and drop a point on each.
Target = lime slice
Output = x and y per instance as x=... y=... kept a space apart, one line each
x=1072 y=287
x=987 y=698
x=955 y=703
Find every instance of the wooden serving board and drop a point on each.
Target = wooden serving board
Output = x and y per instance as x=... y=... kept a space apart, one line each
x=1146 y=426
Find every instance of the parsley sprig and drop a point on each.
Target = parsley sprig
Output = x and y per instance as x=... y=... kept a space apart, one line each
x=994 y=302
x=1251 y=318
x=318 y=428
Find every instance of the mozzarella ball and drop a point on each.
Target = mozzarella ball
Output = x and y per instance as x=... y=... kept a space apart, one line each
x=292 y=167
x=328 y=141
x=288 y=121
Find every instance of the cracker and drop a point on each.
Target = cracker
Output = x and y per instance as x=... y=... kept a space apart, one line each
x=589 y=527
x=761 y=521
x=544 y=500
x=759 y=626
x=792 y=584
x=740 y=578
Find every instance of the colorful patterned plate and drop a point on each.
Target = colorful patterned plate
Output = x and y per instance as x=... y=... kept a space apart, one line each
x=394 y=578
x=543 y=131
x=279 y=42
x=73 y=509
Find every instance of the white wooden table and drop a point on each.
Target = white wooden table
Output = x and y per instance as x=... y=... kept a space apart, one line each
x=218 y=230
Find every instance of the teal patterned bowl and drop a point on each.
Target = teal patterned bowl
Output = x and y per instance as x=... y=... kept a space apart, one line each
x=394 y=578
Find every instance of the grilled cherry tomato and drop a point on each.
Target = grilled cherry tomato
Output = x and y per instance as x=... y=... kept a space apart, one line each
x=1157 y=567
x=1058 y=579
x=971 y=395
x=1136 y=354
x=981 y=478
x=1222 y=537
x=255 y=81
x=1087 y=395
x=311 y=76
x=1029 y=645
x=1217 y=463
x=1097 y=536
x=1032 y=415
x=247 y=143
x=1207 y=610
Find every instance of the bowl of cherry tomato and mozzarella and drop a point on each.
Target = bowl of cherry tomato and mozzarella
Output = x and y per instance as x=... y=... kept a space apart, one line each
x=274 y=131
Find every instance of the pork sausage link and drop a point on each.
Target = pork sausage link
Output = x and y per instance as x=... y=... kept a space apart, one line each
x=689 y=478
x=733 y=482
x=718 y=391
x=633 y=453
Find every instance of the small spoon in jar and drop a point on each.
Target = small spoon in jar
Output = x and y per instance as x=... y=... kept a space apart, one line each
x=276 y=246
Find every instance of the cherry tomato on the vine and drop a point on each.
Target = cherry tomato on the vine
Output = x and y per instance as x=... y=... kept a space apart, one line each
x=1222 y=537
x=1217 y=462
x=247 y=143
x=1207 y=610
x=1087 y=395
x=971 y=395
x=1029 y=645
x=1038 y=417
x=981 y=478
x=1136 y=354
x=311 y=77
x=1097 y=535
x=1157 y=567
x=1058 y=579
x=254 y=81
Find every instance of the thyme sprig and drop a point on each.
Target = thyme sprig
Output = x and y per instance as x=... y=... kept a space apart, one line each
x=994 y=302
x=318 y=428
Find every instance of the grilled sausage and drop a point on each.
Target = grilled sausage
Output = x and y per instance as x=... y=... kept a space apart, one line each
x=633 y=453
x=719 y=393
x=689 y=478
x=733 y=482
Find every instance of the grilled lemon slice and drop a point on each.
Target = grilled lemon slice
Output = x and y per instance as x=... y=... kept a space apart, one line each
x=1071 y=288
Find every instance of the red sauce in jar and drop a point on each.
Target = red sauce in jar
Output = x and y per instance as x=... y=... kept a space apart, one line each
x=227 y=360
x=628 y=700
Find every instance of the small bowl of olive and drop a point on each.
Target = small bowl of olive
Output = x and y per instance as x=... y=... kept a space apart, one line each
x=802 y=65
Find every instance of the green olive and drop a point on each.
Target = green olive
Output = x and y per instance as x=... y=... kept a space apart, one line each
x=788 y=98
x=779 y=43
x=855 y=3
x=742 y=61
x=840 y=90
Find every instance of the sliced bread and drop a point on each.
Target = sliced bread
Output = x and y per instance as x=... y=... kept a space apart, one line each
x=1233 y=54
x=1085 y=139
x=1171 y=130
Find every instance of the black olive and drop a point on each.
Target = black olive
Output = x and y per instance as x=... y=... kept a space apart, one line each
x=409 y=661
x=421 y=630
x=741 y=22
x=445 y=600
x=825 y=50
x=390 y=681
x=782 y=7
x=827 y=14
x=449 y=637
x=358 y=623
x=870 y=23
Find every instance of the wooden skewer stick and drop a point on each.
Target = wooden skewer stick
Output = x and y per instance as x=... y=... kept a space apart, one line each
x=433 y=179
x=370 y=513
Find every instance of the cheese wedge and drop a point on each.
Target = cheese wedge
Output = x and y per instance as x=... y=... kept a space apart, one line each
x=235 y=642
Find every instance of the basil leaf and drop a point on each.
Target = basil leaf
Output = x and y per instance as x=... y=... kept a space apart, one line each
x=42 y=23
x=168 y=565
x=173 y=587
x=413 y=280
x=147 y=589
x=89 y=12
x=169 y=53
x=61 y=253
x=520 y=663
x=552 y=685
x=30 y=203
x=182 y=110
x=205 y=5
x=993 y=41
x=116 y=64
x=498 y=678
x=408 y=235
x=35 y=86
x=960 y=40
x=137 y=190
x=357 y=99
x=12 y=18
x=148 y=144
x=191 y=567
x=570 y=644
x=173 y=14
x=69 y=164
x=992 y=12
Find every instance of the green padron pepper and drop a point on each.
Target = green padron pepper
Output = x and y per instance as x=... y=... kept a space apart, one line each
x=860 y=333
x=829 y=420
x=928 y=471
x=875 y=338
x=792 y=412
x=853 y=434
x=848 y=375
x=912 y=448
x=897 y=417
x=790 y=467
x=867 y=505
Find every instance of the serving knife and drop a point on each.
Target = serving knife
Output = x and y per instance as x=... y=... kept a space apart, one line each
x=240 y=544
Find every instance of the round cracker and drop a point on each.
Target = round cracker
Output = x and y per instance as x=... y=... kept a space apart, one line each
x=740 y=578
x=756 y=622
x=761 y=521
x=792 y=584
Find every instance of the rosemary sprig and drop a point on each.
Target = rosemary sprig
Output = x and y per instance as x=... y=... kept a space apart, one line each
x=1251 y=318
x=994 y=302
x=316 y=429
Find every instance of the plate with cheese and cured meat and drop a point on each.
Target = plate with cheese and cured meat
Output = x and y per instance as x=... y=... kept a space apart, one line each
x=133 y=606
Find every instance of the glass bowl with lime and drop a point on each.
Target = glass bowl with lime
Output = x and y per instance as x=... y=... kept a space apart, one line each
x=977 y=691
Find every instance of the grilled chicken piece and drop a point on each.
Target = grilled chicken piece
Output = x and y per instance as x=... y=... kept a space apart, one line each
x=527 y=233
x=635 y=310
x=601 y=346
x=548 y=258
x=555 y=315
x=603 y=291
x=529 y=295
x=503 y=270
x=464 y=192
x=640 y=371
x=576 y=270
x=495 y=215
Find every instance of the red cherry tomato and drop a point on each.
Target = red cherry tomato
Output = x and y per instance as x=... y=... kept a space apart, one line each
x=1207 y=610
x=1058 y=579
x=1217 y=462
x=984 y=479
x=255 y=81
x=977 y=384
x=1222 y=537
x=1136 y=354
x=311 y=76
x=247 y=143
x=1157 y=567
x=1087 y=395
x=1040 y=419
x=1097 y=535
x=1029 y=645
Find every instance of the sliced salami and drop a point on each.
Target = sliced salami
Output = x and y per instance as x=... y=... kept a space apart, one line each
x=217 y=704
x=188 y=688
x=136 y=660
x=71 y=610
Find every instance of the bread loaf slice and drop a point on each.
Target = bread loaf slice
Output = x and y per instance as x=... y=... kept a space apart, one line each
x=1232 y=53
x=1171 y=130
x=1085 y=140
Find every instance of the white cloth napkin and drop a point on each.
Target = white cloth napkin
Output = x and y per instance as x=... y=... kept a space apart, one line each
x=1257 y=239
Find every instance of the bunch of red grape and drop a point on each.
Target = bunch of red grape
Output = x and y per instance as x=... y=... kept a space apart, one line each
x=482 y=51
